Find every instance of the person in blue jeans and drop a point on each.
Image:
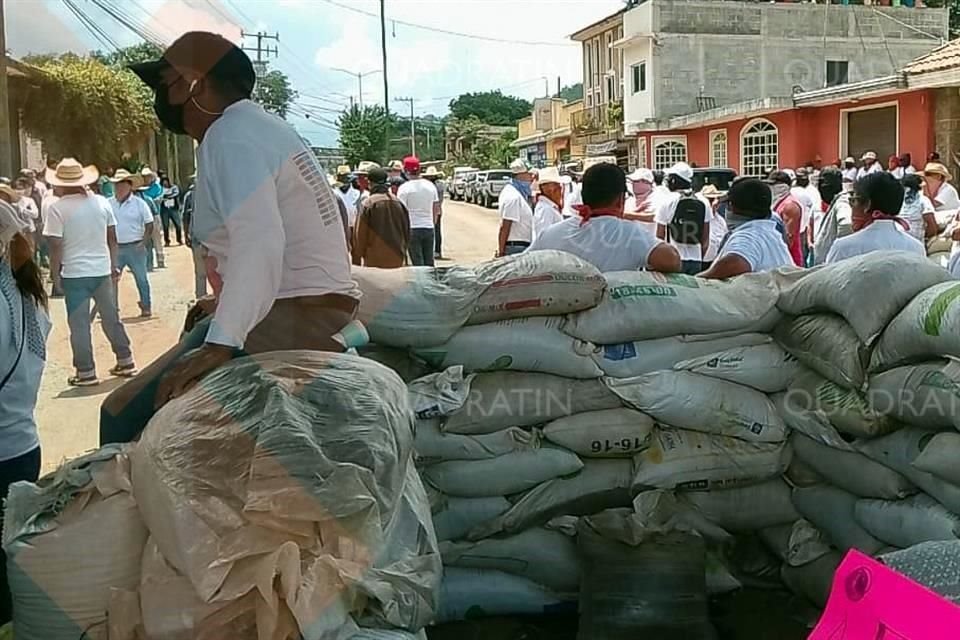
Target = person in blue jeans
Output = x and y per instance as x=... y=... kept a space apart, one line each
x=134 y=228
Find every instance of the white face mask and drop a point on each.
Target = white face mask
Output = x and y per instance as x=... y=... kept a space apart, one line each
x=779 y=191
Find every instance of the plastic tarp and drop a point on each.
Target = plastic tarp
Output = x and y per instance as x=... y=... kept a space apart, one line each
x=288 y=478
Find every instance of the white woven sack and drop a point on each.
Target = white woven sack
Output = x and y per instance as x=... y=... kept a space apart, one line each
x=630 y=359
x=941 y=457
x=923 y=395
x=699 y=403
x=929 y=327
x=904 y=523
x=460 y=515
x=525 y=344
x=644 y=305
x=831 y=510
x=679 y=459
x=797 y=543
x=765 y=367
x=516 y=399
x=844 y=409
x=611 y=433
x=745 y=509
x=432 y=445
x=868 y=290
x=503 y=475
x=546 y=557
x=827 y=344
x=851 y=471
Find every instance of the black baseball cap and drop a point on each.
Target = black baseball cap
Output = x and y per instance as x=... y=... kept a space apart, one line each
x=205 y=54
x=377 y=175
x=781 y=177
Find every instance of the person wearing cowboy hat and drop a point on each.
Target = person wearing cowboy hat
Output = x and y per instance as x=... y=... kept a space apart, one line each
x=363 y=179
x=395 y=176
x=134 y=227
x=24 y=328
x=877 y=226
x=348 y=195
x=516 y=215
x=436 y=176
x=276 y=244
x=547 y=212
x=600 y=235
x=149 y=190
x=383 y=227
x=25 y=207
x=869 y=166
x=937 y=187
x=81 y=231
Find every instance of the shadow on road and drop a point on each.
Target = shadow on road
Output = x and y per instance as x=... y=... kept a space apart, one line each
x=103 y=388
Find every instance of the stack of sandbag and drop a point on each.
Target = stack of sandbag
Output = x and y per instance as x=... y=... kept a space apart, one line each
x=282 y=502
x=74 y=542
x=505 y=456
x=500 y=315
x=853 y=453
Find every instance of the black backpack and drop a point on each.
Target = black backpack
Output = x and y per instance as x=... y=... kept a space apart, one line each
x=688 y=219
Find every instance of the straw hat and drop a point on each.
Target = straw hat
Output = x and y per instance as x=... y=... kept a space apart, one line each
x=364 y=167
x=122 y=175
x=937 y=169
x=549 y=175
x=147 y=178
x=70 y=173
x=710 y=192
x=7 y=188
x=395 y=165
x=432 y=172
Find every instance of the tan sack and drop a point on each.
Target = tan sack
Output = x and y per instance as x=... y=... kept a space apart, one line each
x=929 y=327
x=923 y=395
x=827 y=344
x=611 y=433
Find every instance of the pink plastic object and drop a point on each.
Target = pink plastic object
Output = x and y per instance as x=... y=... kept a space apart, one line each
x=869 y=601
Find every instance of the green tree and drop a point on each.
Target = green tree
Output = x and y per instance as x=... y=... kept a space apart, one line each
x=274 y=92
x=954 y=6
x=572 y=92
x=490 y=107
x=143 y=52
x=81 y=107
x=363 y=133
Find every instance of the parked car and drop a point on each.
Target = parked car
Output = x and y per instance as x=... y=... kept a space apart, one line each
x=467 y=185
x=719 y=177
x=458 y=180
x=487 y=191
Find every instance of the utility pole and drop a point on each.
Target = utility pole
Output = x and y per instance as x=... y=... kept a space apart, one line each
x=413 y=126
x=386 y=86
x=6 y=144
x=260 y=64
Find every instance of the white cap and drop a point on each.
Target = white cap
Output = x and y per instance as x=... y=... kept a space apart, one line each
x=849 y=159
x=869 y=155
x=641 y=175
x=519 y=166
x=681 y=170
x=791 y=173
x=10 y=223
x=549 y=175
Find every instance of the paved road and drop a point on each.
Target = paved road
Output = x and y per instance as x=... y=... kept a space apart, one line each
x=68 y=417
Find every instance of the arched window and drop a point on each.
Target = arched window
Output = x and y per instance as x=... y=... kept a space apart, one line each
x=718 y=148
x=758 y=148
x=668 y=152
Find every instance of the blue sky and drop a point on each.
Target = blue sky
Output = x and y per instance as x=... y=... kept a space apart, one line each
x=317 y=36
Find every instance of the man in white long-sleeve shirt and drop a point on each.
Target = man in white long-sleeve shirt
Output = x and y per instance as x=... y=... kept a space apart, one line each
x=277 y=251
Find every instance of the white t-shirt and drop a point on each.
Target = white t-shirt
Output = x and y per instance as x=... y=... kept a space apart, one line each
x=665 y=216
x=514 y=207
x=946 y=198
x=609 y=243
x=881 y=235
x=81 y=222
x=718 y=231
x=132 y=216
x=760 y=243
x=850 y=175
x=351 y=200
x=419 y=196
x=545 y=215
x=865 y=171
x=572 y=198
x=913 y=213
x=652 y=205
x=267 y=217
x=801 y=195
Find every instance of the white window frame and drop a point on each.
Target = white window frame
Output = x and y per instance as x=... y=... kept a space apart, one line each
x=845 y=123
x=638 y=71
x=715 y=157
x=642 y=159
x=664 y=161
x=768 y=161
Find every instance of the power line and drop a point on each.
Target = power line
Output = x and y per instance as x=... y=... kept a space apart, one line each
x=128 y=22
x=91 y=27
x=448 y=32
x=220 y=12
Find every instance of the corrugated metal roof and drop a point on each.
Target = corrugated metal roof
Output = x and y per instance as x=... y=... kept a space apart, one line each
x=941 y=58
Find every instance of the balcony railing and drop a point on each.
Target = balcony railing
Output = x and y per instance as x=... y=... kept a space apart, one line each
x=601 y=119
